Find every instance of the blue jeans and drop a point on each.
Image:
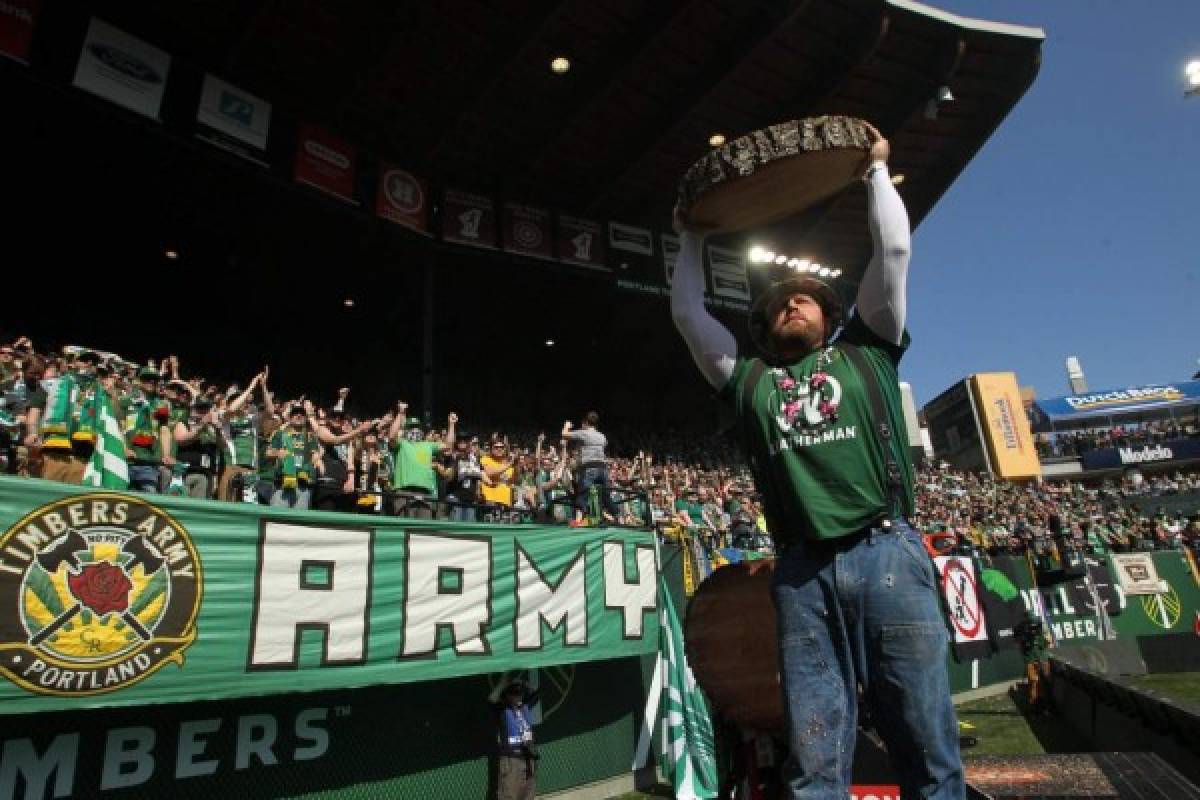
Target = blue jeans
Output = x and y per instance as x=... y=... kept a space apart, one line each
x=144 y=478
x=460 y=512
x=595 y=475
x=866 y=612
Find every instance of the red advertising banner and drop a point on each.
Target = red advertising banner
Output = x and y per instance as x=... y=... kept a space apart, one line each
x=325 y=162
x=582 y=242
x=468 y=219
x=16 y=27
x=403 y=198
x=527 y=230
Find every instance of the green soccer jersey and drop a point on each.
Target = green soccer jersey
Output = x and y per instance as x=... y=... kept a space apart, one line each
x=414 y=465
x=302 y=449
x=145 y=415
x=831 y=480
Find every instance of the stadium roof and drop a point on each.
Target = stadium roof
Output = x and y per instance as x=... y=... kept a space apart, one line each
x=461 y=90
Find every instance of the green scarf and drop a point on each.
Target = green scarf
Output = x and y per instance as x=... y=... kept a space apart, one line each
x=59 y=423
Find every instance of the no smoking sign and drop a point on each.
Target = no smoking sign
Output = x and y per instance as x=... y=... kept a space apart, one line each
x=962 y=599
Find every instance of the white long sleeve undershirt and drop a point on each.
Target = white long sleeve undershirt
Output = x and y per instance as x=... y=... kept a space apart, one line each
x=881 y=295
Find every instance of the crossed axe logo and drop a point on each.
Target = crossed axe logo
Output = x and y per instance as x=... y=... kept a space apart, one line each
x=66 y=553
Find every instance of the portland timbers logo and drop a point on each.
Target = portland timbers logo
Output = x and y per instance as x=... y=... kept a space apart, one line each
x=97 y=592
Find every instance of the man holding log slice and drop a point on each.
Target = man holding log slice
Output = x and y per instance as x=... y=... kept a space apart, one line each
x=856 y=596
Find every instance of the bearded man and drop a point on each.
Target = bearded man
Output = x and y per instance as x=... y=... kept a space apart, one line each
x=854 y=590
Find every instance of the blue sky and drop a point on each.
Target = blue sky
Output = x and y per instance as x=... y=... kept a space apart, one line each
x=1076 y=229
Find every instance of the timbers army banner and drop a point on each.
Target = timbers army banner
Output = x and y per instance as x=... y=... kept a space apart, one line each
x=111 y=599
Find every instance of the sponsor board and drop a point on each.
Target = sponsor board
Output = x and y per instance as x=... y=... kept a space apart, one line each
x=233 y=119
x=122 y=68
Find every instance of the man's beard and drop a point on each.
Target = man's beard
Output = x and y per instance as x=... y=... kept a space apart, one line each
x=799 y=342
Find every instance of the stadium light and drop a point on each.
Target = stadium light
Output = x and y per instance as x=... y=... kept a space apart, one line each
x=549 y=343
x=560 y=65
x=761 y=255
x=1192 y=71
x=717 y=139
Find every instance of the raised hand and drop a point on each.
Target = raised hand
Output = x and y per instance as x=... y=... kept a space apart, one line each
x=880 y=149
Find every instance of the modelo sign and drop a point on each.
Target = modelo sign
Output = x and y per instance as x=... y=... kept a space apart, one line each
x=1135 y=455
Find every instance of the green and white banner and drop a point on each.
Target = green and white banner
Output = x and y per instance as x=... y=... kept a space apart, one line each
x=690 y=757
x=110 y=599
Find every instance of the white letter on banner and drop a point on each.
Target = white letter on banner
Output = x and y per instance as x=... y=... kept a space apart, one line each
x=20 y=758
x=130 y=746
x=634 y=599
x=463 y=603
x=310 y=577
x=538 y=599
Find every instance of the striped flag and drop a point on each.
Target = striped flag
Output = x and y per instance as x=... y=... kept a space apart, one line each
x=107 y=469
x=690 y=759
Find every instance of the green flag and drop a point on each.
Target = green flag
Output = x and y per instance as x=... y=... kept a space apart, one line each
x=690 y=758
x=107 y=469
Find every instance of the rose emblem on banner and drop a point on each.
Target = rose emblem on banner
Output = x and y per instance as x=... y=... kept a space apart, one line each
x=102 y=587
x=109 y=596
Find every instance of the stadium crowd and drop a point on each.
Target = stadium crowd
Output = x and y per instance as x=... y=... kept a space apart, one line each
x=1002 y=517
x=190 y=437
x=1069 y=444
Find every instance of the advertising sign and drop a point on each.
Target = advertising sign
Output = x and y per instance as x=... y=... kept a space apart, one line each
x=122 y=68
x=325 y=162
x=233 y=119
x=1005 y=426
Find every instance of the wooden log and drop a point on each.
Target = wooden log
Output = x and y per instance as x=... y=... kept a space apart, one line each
x=730 y=637
x=773 y=173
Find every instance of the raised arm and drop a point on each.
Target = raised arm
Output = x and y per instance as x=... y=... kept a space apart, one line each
x=882 y=301
x=397 y=426
x=236 y=404
x=712 y=346
x=268 y=398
